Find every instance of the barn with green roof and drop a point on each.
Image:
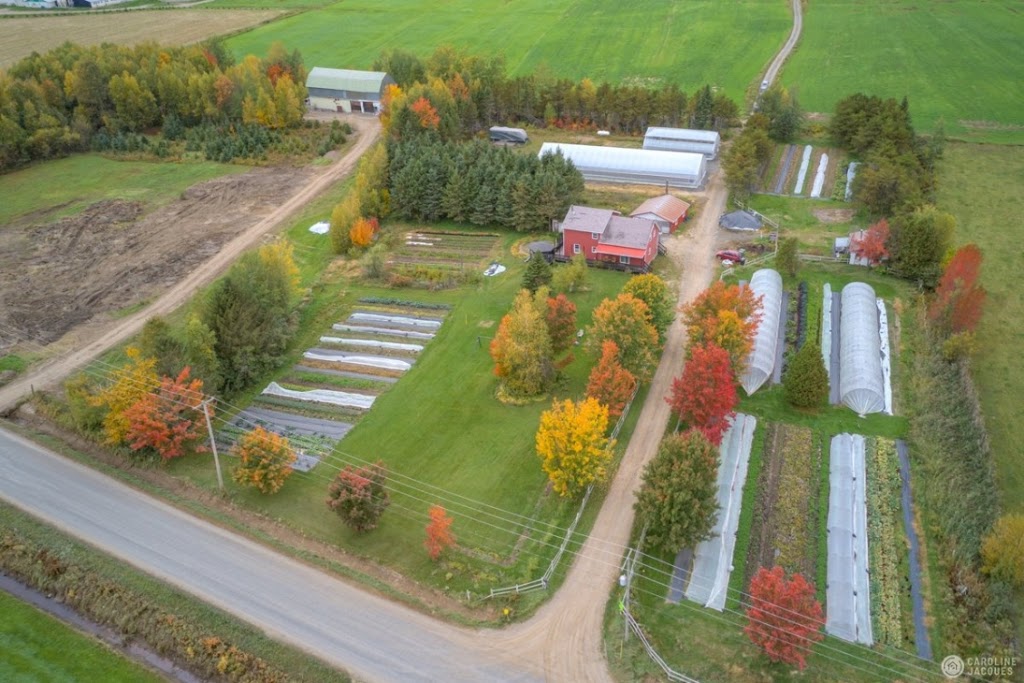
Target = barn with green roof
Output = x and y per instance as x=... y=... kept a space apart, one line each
x=346 y=90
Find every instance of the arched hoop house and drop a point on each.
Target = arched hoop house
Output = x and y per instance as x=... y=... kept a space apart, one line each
x=767 y=284
x=861 y=386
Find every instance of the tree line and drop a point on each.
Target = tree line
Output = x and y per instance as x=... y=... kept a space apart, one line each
x=56 y=103
x=483 y=94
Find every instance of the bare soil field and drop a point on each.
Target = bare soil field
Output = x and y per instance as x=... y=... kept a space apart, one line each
x=20 y=36
x=56 y=275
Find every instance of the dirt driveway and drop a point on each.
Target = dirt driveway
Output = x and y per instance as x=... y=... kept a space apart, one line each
x=166 y=256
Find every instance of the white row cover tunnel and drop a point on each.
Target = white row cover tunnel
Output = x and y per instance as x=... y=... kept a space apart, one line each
x=766 y=284
x=861 y=383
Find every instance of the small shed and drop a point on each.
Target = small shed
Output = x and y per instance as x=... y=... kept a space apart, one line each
x=635 y=166
x=346 y=90
x=740 y=220
x=513 y=136
x=666 y=211
x=853 y=248
x=704 y=142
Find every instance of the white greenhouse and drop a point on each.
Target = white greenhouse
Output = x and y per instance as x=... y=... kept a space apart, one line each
x=767 y=284
x=861 y=385
x=682 y=140
x=635 y=166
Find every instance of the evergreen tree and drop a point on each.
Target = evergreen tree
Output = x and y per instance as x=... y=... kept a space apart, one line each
x=538 y=272
x=703 y=108
x=787 y=260
x=806 y=381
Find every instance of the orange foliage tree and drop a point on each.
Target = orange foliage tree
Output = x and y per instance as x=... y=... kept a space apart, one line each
x=610 y=383
x=573 y=444
x=363 y=231
x=264 y=460
x=426 y=113
x=561 y=321
x=439 y=533
x=130 y=384
x=872 y=246
x=165 y=421
x=959 y=299
x=726 y=316
x=704 y=396
x=784 y=618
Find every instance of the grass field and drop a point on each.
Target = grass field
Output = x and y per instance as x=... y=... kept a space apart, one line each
x=961 y=61
x=38 y=647
x=980 y=185
x=66 y=186
x=689 y=43
x=20 y=36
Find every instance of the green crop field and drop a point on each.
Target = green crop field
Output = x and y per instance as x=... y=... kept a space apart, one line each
x=38 y=647
x=980 y=185
x=66 y=186
x=960 y=61
x=727 y=44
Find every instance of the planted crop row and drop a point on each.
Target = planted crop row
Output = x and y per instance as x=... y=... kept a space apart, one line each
x=309 y=409
x=404 y=303
x=796 y=511
x=306 y=379
x=886 y=542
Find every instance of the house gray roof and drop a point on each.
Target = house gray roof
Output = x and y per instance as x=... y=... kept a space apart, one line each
x=634 y=233
x=348 y=81
x=587 y=219
x=740 y=220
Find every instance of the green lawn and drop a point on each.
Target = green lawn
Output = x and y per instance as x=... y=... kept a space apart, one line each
x=961 y=61
x=980 y=185
x=38 y=647
x=727 y=44
x=66 y=186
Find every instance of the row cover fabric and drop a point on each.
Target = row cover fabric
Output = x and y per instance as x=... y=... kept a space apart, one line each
x=382 y=319
x=390 y=331
x=883 y=334
x=328 y=396
x=766 y=284
x=712 y=561
x=826 y=329
x=802 y=174
x=357 y=359
x=819 y=177
x=372 y=343
x=861 y=384
x=848 y=588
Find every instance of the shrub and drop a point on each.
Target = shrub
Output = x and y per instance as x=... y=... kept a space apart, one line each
x=264 y=460
x=359 y=497
x=806 y=382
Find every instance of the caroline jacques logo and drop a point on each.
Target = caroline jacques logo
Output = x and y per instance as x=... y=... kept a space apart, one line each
x=983 y=667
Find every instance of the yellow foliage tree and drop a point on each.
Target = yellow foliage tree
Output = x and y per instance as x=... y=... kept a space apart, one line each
x=572 y=444
x=131 y=383
x=1002 y=551
x=280 y=257
x=264 y=460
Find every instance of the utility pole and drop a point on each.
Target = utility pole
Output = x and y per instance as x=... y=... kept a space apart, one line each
x=213 y=442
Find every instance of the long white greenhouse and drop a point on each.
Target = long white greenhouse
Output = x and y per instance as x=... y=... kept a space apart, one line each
x=861 y=385
x=767 y=284
x=635 y=166
x=683 y=140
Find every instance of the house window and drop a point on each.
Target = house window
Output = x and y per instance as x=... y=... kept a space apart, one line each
x=624 y=260
x=576 y=249
x=595 y=235
x=593 y=250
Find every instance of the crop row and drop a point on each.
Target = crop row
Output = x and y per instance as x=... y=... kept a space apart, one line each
x=886 y=542
x=798 y=494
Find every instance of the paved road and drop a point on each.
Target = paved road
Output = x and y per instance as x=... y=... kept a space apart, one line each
x=120 y=330
x=372 y=638
x=794 y=35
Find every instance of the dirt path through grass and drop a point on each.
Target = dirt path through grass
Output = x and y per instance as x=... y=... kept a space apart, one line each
x=102 y=340
x=568 y=629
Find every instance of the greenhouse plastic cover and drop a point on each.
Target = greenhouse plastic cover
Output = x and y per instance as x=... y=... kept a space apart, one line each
x=883 y=334
x=826 y=329
x=374 y=343
x=767 y=284
x=861 y=386
x=625 y=165
x=394 y=320
x=712 y=562
x=337 y=398
x=369 y=329
x=848 y=592
x=357 y=359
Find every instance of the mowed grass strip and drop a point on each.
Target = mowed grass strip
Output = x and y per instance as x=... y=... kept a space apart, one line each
x=980 y=185
x=38 y=647
x=66 y=186
x=727 y=44
x=21 y=36
x=961 y=61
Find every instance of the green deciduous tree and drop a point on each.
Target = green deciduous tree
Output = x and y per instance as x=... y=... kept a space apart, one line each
x=918 y=242
x=653 y=291
x=624 y=320
x=677 y=503
x=571 y=277
x=521 y=350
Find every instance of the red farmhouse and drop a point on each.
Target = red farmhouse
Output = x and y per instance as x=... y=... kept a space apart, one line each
x=606 y=237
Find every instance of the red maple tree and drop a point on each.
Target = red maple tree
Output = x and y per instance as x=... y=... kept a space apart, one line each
x=427 y=114
x=165 y=420
x=439 y=533
x=561 y=321
x=959 y=299
x=872 y=245
x=784 y=618
x=704 y=396
x=610 y=383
